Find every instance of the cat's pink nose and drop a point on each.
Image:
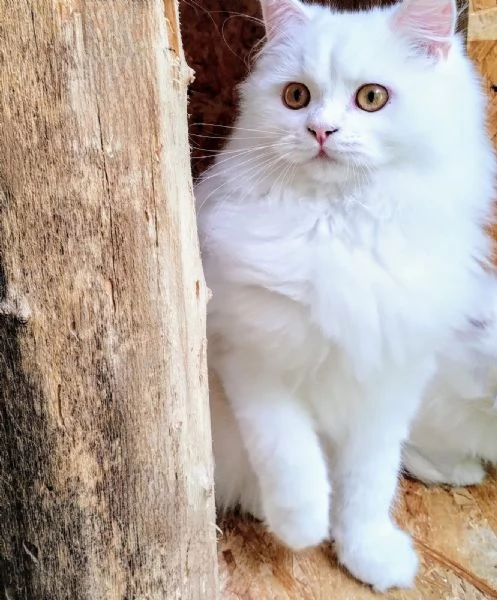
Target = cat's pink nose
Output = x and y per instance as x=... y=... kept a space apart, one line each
x=321 y=134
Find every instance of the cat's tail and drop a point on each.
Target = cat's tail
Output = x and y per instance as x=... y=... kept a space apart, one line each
x=442 y=468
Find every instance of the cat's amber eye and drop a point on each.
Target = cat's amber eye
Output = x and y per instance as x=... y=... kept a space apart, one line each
x=296 y=95
x=371 y=97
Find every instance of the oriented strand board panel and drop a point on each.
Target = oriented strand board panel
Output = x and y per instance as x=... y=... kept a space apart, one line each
x=482 y=47
x=456 y=531
x=482 y=23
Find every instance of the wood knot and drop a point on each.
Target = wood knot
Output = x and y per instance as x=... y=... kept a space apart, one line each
x=15 y=307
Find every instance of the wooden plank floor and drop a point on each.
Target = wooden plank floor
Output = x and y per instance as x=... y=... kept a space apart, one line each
x=456 y=534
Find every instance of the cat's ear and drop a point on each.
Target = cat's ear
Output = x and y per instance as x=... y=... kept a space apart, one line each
x=279 y=15
x=428 y=24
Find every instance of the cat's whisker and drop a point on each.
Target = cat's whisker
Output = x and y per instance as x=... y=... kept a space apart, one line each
x=362 y=177
x=211 y=12
x=229 y=137
x=225 y=22
x=239 y=128
x=246 y=173
x=283 y=173
x=262 y=150
x=229 y=159
x=269 y=168
x=251 y=55
x=266 y=167
x=198 y=5
x=231 y=156
x=244 y=16
x=239 y=151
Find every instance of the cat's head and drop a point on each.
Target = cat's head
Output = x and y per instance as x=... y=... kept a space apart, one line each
x=338 y=94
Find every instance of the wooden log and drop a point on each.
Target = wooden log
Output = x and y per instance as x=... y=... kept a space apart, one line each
x=105 y=469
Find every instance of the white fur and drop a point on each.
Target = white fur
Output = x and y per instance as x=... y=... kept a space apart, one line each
x=456 y=428
x=336 y=284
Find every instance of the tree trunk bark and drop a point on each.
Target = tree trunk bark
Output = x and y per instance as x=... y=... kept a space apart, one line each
x=105 y=456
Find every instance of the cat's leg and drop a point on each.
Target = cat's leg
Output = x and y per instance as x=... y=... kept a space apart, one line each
x=437 y=467
x=235 y=482
x=366 y=463
x=368 y=543
x=283 y=450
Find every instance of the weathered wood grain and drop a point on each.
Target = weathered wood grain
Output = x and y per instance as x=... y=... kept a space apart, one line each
x=105 y=455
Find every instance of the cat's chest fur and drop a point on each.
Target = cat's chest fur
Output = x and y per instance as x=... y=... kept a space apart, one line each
x=362 y=278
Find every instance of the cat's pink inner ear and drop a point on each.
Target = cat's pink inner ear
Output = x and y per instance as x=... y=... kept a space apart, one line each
x=280 y=15
x=428 y=24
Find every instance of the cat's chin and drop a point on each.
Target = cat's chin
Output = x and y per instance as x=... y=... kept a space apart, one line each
x=325 y=170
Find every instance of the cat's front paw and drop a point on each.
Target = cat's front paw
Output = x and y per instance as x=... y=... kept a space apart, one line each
x=385 y=558
x=300 y=526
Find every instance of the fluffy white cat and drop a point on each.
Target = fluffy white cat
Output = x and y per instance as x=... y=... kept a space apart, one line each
x=456 y=428
x=342 y=237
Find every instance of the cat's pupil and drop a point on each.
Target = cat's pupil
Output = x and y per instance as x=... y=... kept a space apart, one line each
x=297 y=94
x=371 y=96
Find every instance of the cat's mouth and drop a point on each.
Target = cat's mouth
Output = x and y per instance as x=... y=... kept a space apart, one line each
x=323 y=156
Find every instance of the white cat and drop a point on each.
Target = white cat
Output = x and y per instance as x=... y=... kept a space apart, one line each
x=342 y=237
x=456 y=428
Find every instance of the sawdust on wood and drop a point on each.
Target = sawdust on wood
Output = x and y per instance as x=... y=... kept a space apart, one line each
x=254 y=566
